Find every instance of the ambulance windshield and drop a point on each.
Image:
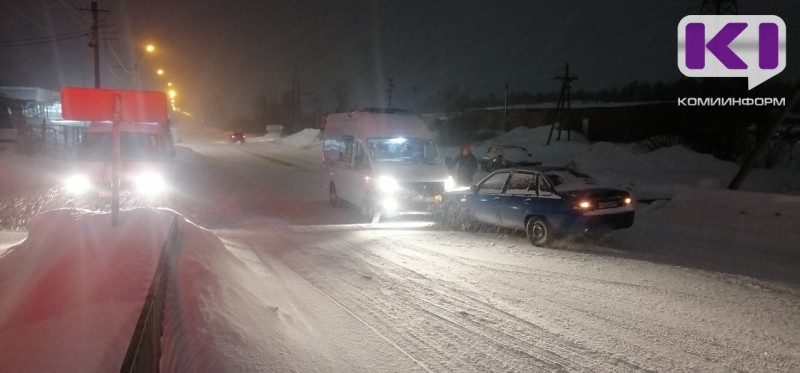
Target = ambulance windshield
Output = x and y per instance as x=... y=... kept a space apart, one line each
x=401 y=149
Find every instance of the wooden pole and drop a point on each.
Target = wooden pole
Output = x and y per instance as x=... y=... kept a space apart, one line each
x=762 y=144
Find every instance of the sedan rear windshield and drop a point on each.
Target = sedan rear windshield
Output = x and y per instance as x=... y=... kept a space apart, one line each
x=568 y=177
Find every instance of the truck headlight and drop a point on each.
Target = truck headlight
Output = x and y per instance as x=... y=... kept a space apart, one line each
x=77 y=184
x=150 y=183
x=388 y=184
x=449 y=183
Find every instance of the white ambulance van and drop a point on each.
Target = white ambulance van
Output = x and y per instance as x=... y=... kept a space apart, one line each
x=383 y=161
x=146 y=153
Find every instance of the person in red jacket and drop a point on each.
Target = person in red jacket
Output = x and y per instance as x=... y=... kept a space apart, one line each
x=465 y=166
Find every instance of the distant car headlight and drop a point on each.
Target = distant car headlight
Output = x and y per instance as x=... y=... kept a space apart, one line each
x=388 y=184
x=77 y=184
x=150 y=183
x=449 y=183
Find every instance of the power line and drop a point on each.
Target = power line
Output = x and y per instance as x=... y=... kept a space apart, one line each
x=41 y=38
x=76 y=10
x=108 y=45
x=48 y=41
x=24 y=16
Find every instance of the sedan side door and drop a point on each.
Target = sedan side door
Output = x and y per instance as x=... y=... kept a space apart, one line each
x=518 y=200
x=486 y=198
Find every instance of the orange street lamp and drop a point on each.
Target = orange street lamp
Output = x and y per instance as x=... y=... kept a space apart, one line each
x=148 y=49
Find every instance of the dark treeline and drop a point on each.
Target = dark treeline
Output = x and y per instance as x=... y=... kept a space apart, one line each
x=727 y=132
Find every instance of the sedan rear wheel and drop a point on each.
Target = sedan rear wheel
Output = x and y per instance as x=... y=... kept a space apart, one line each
x=538 y=231
x=335 y=201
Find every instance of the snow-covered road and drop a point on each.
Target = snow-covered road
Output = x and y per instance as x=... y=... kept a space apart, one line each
x=457 y=302
x=488 y=301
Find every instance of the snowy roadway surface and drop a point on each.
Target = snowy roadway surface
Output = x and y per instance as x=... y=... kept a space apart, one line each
x=301 y=286
x=437 y=300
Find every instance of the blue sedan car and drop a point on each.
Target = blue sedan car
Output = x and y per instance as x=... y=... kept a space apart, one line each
x=543 y=201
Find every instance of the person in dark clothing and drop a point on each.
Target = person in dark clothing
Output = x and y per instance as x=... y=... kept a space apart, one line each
x=465 y=166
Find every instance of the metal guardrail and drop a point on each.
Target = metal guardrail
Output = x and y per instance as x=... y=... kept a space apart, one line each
x=144 y=350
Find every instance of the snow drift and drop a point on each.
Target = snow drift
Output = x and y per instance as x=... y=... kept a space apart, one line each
x=303 y=139
x=72 y=291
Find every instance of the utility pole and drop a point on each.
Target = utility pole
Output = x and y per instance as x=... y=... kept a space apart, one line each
x=719 y=7
x=94 y=43
x=296 y=99
x=762 y=144
x=389 y=87
x=563 y=106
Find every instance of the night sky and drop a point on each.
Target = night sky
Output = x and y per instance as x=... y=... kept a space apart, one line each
x=222 y=54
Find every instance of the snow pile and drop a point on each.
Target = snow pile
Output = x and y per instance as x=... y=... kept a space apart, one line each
x=70 y=294
x=653 y=175
x=663 y=172
x=270 y=137
x=536 y=136
x=303 y=139
x=224 y=317
x=558 y=153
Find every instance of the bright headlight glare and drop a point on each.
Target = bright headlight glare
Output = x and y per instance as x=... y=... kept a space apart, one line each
x=390 y=204
x=388 y=184
x=627 y=200
x=77 y=184
x=150 y=183
x=449 y=183
x=584 y=204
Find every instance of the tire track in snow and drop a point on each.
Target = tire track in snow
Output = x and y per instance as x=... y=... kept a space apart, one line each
x=559 y=296
x=420 y=301
x=554 y=348
x=262 y=261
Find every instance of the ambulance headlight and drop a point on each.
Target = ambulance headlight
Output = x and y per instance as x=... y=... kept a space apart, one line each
x=150 y=183
x=77 y=184
x=390 y=205
x=388 y=184
x=449 y=183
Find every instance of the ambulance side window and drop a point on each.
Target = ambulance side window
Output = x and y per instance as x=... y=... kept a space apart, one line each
x=346 y=152
x=361 y=157
x=339 y=149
